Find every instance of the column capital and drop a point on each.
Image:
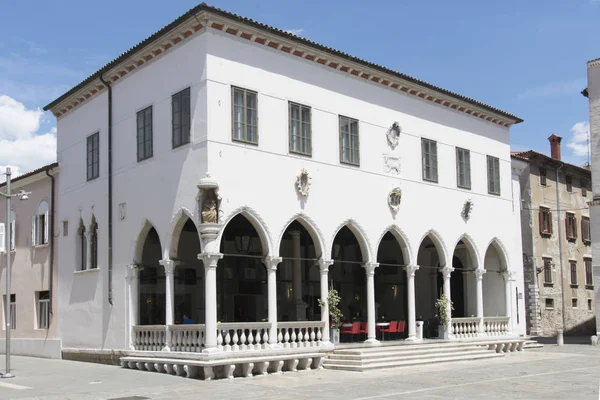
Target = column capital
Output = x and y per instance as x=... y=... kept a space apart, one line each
x=324 y=264
x=446 y=271
x=169 y=266
x=411 y=269
x=479 y=273
x=133 y=271
x=370 y=268
x=210 y=259
x=509 y=276
x=271 y=262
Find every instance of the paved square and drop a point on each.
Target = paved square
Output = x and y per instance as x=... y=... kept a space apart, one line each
x=568 y=372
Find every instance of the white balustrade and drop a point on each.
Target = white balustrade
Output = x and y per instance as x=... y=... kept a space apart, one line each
x=149 y=337
x=465 y=327
x=187 y=338
x=496 y=326
x=243 y=336
x=298 y=334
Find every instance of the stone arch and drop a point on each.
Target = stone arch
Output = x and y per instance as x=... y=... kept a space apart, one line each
x=501 y=249
x=257 y=222
x=177 y=223
x=138 y=245
x=313 y=231
x=440 y=247
x=471 y=249
x=360 y=235
x=402 y=240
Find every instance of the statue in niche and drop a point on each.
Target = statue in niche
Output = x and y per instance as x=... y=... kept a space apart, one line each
x=210 y=212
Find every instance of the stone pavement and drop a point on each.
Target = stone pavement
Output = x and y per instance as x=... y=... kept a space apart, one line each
x=568 y=372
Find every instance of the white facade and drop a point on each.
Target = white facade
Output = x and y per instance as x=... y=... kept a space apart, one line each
x=258 y=180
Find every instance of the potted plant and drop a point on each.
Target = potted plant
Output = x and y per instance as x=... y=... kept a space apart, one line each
x=444 y=307
x=335 y=314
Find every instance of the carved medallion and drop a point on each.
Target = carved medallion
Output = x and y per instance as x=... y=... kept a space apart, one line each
x=393 y=135
x=467 y=209
x=394 y=198
x=303 y=182
x=391 y=164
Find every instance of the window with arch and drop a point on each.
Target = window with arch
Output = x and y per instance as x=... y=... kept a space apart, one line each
x=93 y=245
x=81 y=248
x=39 y=225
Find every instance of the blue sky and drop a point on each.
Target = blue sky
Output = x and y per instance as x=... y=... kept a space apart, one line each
x=525 y=57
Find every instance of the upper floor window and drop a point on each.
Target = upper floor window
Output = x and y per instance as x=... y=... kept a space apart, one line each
x=586 y=236
x=493 y=168
x=300 y=129
x=584 y=184
x=349 y=145
x=571 y=226
x=547 y=270
x=81 y=247
x=245 y=115
x=463 y=168
x=93 y=156
x=144 y=134
x=180 y=116
x=39 y=225
x=5 y=231
x=429 y=160
x=542 y=176
x=13 y=229
x=545 y=220
x=573 y=265
x=588 y=272
x=569 y=182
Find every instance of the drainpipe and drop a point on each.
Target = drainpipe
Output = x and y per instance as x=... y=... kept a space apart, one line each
x=562 y=278
x=52 y=209
x=110 y=297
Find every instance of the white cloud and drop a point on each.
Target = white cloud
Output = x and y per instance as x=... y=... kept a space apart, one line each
x=22 y=146
x=296 y=32
x=561 y=88
x=579 y=141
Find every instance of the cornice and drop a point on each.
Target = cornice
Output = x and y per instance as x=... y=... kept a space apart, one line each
x=593 y=63
x=204 y=20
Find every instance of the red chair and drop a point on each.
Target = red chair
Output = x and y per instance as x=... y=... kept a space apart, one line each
x=353 y=330
x=401 y=328
x=393 y=328
x=364 y=329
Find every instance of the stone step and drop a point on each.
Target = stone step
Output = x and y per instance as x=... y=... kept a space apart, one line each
x=413 y=352
x=405 y=347
x=407 y=363
x=403 y=358
x=532 y=344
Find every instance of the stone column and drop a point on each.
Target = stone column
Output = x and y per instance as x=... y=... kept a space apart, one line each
x=447 y=273
x=479 y=291
x=271 y=264
x=210 y=261
x=410 y=286
x=324 y=268
x=169 y=266
x=299 y=305
x=509 y=278
x=371 y=318
x=133 y=302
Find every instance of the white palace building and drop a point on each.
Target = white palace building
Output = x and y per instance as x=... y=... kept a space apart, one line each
x=220 y=176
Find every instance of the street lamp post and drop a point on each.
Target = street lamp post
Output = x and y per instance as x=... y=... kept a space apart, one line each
x=23 y=196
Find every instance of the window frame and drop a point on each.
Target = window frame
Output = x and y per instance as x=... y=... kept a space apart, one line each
x=569 y=183
x=546 y=306
x=93 y=246
x=244 y=138
x=428 y=157
x=93 y=156
x=545 y=225
x=350 y=160
x=301 y=123
x=589 y=275
x=12 y=301
x=496 y=175
x=145 y=133
x=543 y=176
x=466 y=163
x=548 y=271
x=571 y=226
x=573 y=273
x=574 y=302
x=43 y=309
x=82 y=247
x=179 y=121
x=586 y=234
x=584 y=185
x=40 y=225
x=13 y=230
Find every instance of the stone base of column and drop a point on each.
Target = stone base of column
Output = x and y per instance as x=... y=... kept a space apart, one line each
x=412 y=339
x=211 y=350
x=166 y=348
x=372 y=342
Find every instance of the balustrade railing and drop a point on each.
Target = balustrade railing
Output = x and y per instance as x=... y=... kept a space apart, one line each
x=242 y=336
x=465 y=327
x=187 y=338
x=496 y=326
x=149 y=337
x=300 y=333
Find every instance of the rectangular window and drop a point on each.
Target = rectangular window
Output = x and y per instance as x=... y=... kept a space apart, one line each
x=574 y=303
x=2 y=237
x=589 y=281
x=245 y=115
x=13 y=230
x=65 y=228
x=493 y=165
x=573 y=265
x=180 y=117
x=349 y=145
x=463 y=168
x=549 y=303
x=13 y=311
x=585 y=230
x=584 y=184
x=569 y=182
x=542 y=176
x=571 y=226
x=547 y=270
x=429 y=160
x=93 y=156
x=144 y=134
x=43 y=309
x=589 y=304
x=300 y=129
x=545 y=221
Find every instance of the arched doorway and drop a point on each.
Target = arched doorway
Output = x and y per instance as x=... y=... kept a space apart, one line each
x=348 y=276
x=298 y=277
x=428 y=283
x=151 y=281
x=390 y=281
x=462 y=281
x=241 y=275
x=189 y=277
x=493 y=285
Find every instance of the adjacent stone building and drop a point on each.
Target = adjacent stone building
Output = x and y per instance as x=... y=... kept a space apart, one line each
x=557 y=253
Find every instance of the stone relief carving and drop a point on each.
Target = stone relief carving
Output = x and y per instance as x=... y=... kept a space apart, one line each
x=391 y=164
x=467 y=209
x=393 y=135
x=394 y=198
x=210 y=213
x=303 y=182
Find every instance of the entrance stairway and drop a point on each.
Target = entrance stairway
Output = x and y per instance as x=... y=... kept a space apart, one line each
x=404 y=355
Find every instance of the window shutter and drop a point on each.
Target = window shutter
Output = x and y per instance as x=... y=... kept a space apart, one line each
x=574 y=227
x=550 y=222
x=46 y=225
x=567 y=222
x=2 y=238
x=33 y=230
x=541 y=221
x=13 y=234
